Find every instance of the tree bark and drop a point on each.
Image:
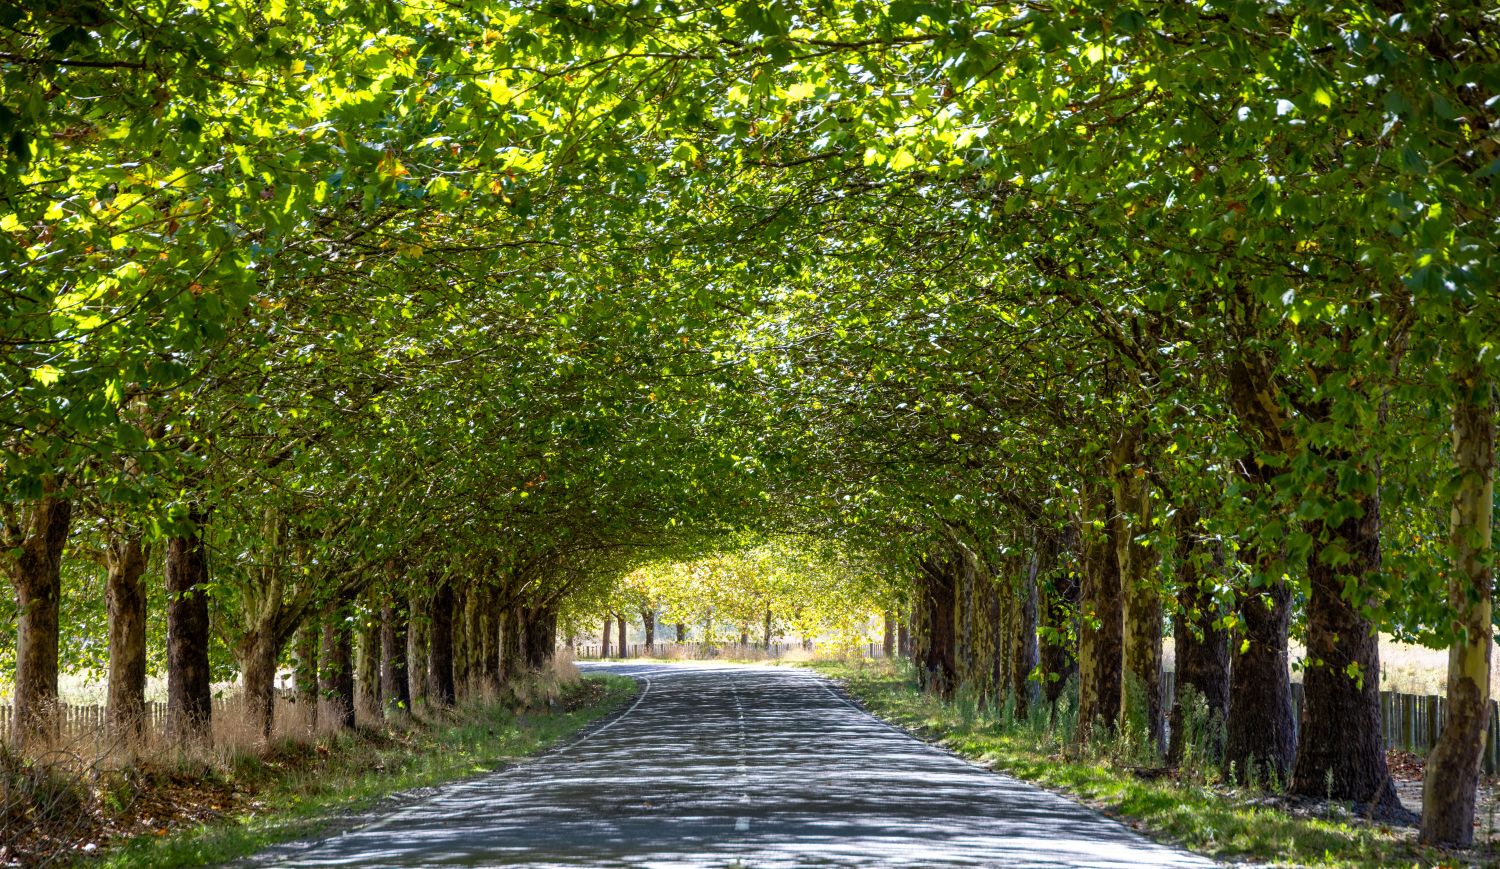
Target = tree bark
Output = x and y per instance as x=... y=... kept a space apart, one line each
x=1057 y=655
x=888 y=642
x=305 y=672
x=125 y=593
x=1261 y=734
x=766 y=643
x=609 y=623
x=1140 y=699
x=367 y=704
x=336 y=674
x=1453 y=767
x=513 y=631
x=35 y=569
x=395 y=682
x=624 y=649
x=903 y=639
x=1026 y=654
x=1341 y=750
x=934 y=652
x=189 y=686
x=1202 y=645
x=459 y=631
x=258 y=653
x=681 y=633
x=418 y=644
x=1100 y=627
x=648 y=622
x=440 y=687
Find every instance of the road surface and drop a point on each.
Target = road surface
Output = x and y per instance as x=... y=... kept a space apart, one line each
x=719 y=765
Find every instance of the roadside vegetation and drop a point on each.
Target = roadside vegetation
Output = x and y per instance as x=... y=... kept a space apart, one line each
x=176 y=810
x=1198 y=804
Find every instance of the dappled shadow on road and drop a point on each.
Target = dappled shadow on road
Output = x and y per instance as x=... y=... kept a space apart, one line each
x=762 y=767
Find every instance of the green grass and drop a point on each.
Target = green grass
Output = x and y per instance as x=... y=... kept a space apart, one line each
x=1205 y=816
x=292 y=798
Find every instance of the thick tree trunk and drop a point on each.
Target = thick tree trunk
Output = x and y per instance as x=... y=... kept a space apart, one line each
x=305 y=672
x=1100 y=628
x=934 y=652
x=681 y=633
x=903 y=639
x=367 y=705
x=1059 y=610
x=35 y=570
x=459 y=631
x=513 y=664
x=1202 y=647
x=440 y=687
x=1341 y=750
x=1141 y=705
x=125 y=593
x=418 y=644
x=624 y=648
x=888 y=642
x=540 y=637
x=189 y=689
x=766 y=637
x=1026 y=656
x=395 y=682
x=336 y=674
x=258 y=652
x=1453 y=766
x=609 y=624
x=648 y=622
x=1261 y=734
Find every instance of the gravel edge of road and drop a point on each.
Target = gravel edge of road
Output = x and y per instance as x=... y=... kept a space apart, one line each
x=340 y=822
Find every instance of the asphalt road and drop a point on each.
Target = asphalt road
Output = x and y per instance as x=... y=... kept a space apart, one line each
x=718 y=765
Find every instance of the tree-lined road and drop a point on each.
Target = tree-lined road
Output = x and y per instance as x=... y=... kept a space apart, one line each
x=717 y=765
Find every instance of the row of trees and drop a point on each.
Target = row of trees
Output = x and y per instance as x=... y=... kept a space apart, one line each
x=1187 y=311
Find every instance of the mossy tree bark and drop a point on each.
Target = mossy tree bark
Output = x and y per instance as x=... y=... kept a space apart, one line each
x=440 y=684
x=933 y=631
x=369 y=710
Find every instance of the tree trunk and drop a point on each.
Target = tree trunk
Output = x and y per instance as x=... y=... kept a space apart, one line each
x=888 y=642
x=681 y=633
x=609 y=623
x=648 y=622
x=1260 y=735
x=1341 y=751
x=513 y=661
x=35 y=570
x=305 y=672
x=903 y=639
x=1057 y=656
x=624 y=649
x=189 y=689
x=1100 y=628
x=125 y=593
x=459 y=631
x=1202 y=647
x=540 y=629
x=336 y=674
x=258 y=652
x=1453 y=766
x=395 y=682
x=440 y=687
x=767 y=637
x=419 y=641
x=934 y=653
x=367 y=672
x=1025 y=655
x=1140 y=700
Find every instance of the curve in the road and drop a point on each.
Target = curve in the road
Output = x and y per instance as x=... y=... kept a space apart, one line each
x=719 y=765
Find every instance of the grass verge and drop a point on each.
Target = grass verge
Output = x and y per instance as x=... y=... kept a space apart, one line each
x=1206 y=816
x=300 y=790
